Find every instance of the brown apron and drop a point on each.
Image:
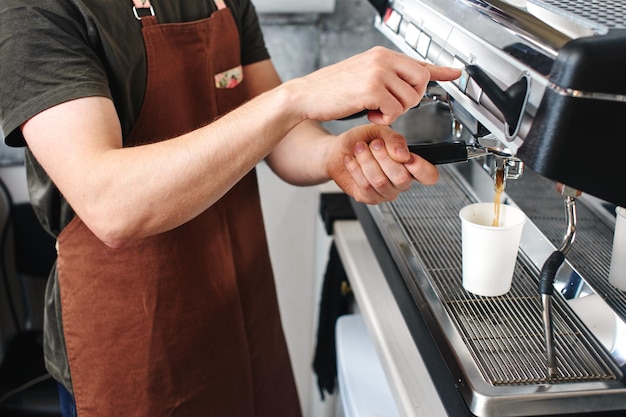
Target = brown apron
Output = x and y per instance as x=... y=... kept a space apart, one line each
x=185 y=323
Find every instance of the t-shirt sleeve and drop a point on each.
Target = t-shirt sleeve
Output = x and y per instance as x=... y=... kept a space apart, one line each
x=253 y=48
x=45 y=60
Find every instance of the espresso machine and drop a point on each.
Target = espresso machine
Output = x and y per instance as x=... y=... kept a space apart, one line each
x=540 y=100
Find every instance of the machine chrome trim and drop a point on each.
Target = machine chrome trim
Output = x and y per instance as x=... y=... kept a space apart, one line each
x=570 y=92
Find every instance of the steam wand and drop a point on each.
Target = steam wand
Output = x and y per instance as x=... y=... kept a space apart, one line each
x=548 y=273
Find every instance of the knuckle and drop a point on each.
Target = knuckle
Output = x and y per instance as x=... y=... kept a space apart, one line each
x=380 y=182
x=404 y=180
x=378 y=51
x=366 y=188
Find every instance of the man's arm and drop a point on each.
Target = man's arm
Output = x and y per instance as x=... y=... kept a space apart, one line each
x=127 y=193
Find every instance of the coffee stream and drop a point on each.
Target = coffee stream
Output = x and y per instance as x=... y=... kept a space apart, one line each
x=499 y=186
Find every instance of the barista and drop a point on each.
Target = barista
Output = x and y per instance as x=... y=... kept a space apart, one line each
x=143 y=124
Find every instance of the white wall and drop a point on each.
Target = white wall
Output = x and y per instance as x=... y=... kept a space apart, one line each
x=291 y=221
x=294 y=6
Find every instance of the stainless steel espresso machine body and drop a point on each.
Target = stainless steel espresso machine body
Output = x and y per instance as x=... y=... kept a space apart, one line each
x=528 y=83
x=543 y=89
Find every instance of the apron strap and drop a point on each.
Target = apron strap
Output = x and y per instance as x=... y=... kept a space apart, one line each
x=142 y=8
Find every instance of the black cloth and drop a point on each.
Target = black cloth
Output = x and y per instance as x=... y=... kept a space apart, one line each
x=336 y=301
x=333 y=207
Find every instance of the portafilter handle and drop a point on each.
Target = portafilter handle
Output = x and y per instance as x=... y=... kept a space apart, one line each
x=459 y=151
x=442 y=152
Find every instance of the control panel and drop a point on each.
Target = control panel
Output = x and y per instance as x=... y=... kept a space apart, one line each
x=497 y=92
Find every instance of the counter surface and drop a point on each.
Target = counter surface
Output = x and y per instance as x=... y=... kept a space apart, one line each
x=404 y=365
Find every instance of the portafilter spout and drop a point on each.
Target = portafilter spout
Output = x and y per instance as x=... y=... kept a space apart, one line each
x=548 y=273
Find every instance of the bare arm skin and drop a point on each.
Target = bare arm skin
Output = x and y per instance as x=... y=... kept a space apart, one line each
x=129 y=193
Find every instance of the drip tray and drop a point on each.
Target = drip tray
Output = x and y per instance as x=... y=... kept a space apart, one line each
x=496 y=344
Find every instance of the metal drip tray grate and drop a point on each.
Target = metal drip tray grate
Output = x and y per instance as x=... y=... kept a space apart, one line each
x=504 y=335
x=591 y=252
x=594 y=14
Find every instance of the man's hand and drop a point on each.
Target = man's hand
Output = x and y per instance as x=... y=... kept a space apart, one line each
x=383 y=82
x=372 y=164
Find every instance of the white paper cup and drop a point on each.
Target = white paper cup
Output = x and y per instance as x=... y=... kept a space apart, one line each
x=617 y=273
x=490 y=253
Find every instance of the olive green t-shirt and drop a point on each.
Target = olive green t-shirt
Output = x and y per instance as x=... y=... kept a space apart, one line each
x=53 y=51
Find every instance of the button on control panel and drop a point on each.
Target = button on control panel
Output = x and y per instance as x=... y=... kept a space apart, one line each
x=496 y=98
x=393 y=19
